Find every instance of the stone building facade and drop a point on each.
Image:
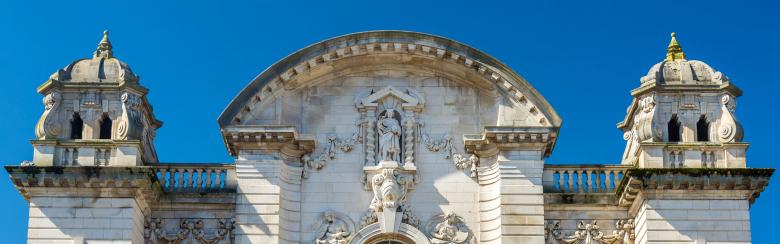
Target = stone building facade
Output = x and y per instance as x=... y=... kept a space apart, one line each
x=388 y=137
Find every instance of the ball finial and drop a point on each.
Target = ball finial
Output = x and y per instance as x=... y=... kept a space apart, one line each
x=674 y=35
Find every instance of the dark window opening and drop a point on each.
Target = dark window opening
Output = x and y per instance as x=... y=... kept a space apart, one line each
x=76 y=126
x=674 y=129
x=105 y=127
x=703 y=129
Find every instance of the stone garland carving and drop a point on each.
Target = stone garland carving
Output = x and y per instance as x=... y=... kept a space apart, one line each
x=329 y=152
x=590 y=233
x=444 y=145
x=190 y=231
x=449 y=228
x=130 y=123
x=47 y=127
x=334 y=228
x=729 y=130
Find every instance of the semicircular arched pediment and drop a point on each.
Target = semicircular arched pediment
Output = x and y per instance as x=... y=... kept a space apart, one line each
x=349 y=53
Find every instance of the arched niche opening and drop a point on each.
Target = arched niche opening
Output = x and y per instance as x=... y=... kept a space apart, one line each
x=105 y=127
x=76 y=126
x=673 y=128
x=703 y=129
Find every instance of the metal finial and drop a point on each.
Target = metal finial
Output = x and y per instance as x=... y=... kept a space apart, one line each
x=674 y=51
x=104 y=48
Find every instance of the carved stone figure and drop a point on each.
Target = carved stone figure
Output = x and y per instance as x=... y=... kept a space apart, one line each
x=190 y=231
x=389 y=137
x=334 y=229
x=449 y=228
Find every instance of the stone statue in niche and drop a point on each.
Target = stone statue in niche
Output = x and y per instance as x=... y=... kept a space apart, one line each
x=389 y=137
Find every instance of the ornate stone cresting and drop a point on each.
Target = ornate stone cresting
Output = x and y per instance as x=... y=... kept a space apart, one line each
x=334 y=228
x=189 y=231
x=591 y=233
x=48 y=126
x=449 y=228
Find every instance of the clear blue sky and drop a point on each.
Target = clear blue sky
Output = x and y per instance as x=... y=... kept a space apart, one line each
x=584 y=57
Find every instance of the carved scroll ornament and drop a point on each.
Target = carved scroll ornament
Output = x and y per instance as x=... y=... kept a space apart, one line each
x=48 y=126
x=130 y=123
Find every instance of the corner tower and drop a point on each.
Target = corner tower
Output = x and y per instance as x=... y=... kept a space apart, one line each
x=682 y=116
x=96 y=114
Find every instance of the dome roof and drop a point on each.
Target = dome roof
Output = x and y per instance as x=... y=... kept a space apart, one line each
x=677 y=70
x=102 y=67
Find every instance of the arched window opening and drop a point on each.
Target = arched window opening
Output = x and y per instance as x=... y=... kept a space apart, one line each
x=674 y=129
x=105 y=127
x=703 y=129
x=76 y=126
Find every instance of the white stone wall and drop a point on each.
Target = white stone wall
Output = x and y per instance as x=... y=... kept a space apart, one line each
x=85 y=220
x=257 y=199
x=693 y=221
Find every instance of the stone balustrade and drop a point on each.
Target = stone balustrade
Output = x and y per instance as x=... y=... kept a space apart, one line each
x=195 y=178
x=582 y=178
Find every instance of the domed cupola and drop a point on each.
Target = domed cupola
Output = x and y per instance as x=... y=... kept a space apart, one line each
x=683 y=115
x=677 y=70
x=95 y=114
x=103 y=67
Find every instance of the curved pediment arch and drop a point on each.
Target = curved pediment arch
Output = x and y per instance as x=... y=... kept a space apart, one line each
x=380 y=49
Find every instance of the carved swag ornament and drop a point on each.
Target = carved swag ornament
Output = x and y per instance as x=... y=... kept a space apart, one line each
x=590 y=233
x=191 y=231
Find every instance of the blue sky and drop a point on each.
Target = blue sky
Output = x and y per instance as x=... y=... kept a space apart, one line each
x=582 y=56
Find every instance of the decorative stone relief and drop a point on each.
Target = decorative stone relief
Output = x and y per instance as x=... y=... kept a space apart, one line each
x=130 y=124
x=449 y=228
x=334 y=228
x=390 y=184
x=190 y=231
x=444 y=146
x=48 y=126
x=591 y=233
x=329 y=152
x=646 y=126
x=729 y=130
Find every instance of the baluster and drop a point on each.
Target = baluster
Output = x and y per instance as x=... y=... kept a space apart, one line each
x=592 y=175
x=598 y=180
x=218 y=179
x=579 y=180
x=200 y=179
x=180 y=182
x=161 y=178
x=570 y=181
x=171 y=179
x=607 y=180
x=208 y=178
